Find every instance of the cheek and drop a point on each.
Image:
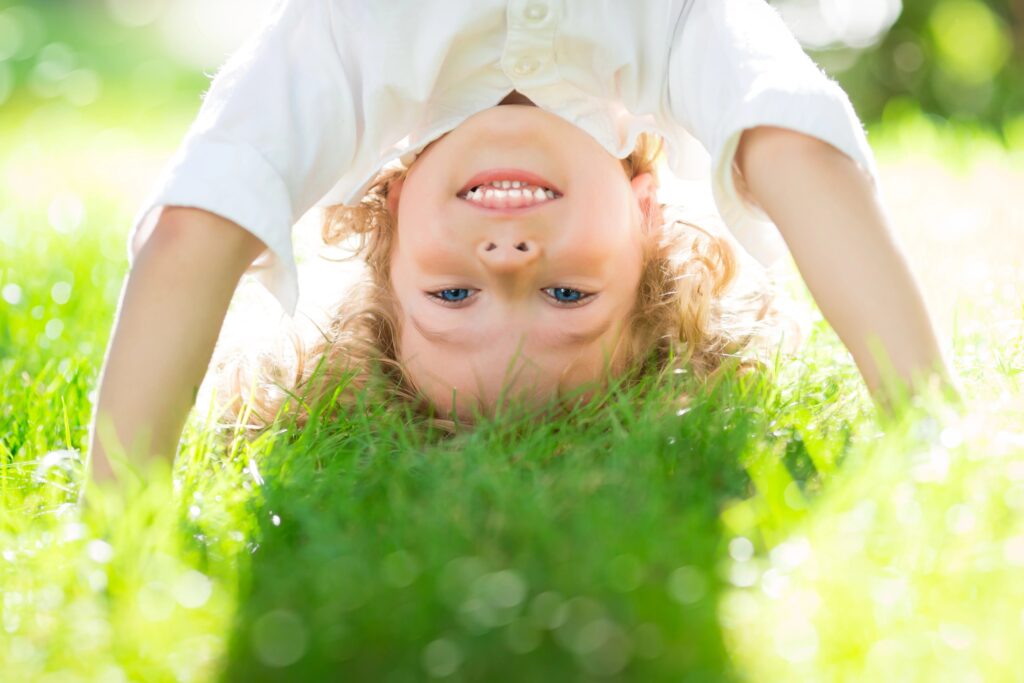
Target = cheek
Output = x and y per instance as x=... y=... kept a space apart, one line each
x=606 y=204
x=402 y=279
x=606 y=232
x=423 y=198
x=422 y=237
x=419 y=254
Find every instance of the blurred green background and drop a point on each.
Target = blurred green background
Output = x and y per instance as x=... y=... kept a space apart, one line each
x=956 y=59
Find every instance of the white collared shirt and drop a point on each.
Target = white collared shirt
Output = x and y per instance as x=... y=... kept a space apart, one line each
x=308 y=111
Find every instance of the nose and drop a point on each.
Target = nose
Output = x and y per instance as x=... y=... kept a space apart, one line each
x=509 y=255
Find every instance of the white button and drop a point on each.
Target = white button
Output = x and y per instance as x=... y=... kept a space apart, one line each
x=536 y=12
x=525 y=66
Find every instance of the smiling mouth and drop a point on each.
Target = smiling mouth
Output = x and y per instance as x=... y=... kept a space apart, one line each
x=508 y=194
x=508 y=189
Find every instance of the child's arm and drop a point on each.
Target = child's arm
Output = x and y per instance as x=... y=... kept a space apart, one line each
x=831 y=217
x=741 y=84
x=172 y=307
x=280 y=124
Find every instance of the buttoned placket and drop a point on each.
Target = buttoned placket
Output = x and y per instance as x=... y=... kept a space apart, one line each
x=529 y=55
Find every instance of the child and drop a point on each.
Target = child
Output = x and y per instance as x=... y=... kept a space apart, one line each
x=665 y=285
x=471 y=279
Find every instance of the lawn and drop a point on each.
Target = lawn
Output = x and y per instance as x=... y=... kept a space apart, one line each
x=777 y=529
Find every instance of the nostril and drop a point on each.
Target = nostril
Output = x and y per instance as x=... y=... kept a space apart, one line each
x=491 y=246
x=522 y=246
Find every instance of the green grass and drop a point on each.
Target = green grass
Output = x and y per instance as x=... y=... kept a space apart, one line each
x=775 y=531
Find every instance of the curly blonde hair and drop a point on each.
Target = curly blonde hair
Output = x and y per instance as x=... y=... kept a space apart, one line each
x=684 y=315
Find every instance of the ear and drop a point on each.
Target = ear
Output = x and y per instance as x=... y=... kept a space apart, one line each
x=394 y=193
x=645 y=187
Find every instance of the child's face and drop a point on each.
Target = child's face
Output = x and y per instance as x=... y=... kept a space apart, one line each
x=526 y=294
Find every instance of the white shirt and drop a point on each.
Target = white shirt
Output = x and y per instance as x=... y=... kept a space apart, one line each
x=309 y=110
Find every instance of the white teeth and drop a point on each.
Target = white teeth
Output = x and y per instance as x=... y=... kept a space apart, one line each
x=525 y=193
x=509 y=185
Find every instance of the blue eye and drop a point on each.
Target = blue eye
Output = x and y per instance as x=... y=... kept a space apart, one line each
x=453 y=295
x=566 y=295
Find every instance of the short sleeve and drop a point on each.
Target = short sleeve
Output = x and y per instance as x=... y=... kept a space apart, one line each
x=734 y=65
x=275 y=131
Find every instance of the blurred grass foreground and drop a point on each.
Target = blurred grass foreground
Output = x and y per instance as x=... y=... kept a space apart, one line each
x=775 y=529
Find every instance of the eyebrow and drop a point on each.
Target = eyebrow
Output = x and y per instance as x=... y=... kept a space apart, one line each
x=460 y=336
